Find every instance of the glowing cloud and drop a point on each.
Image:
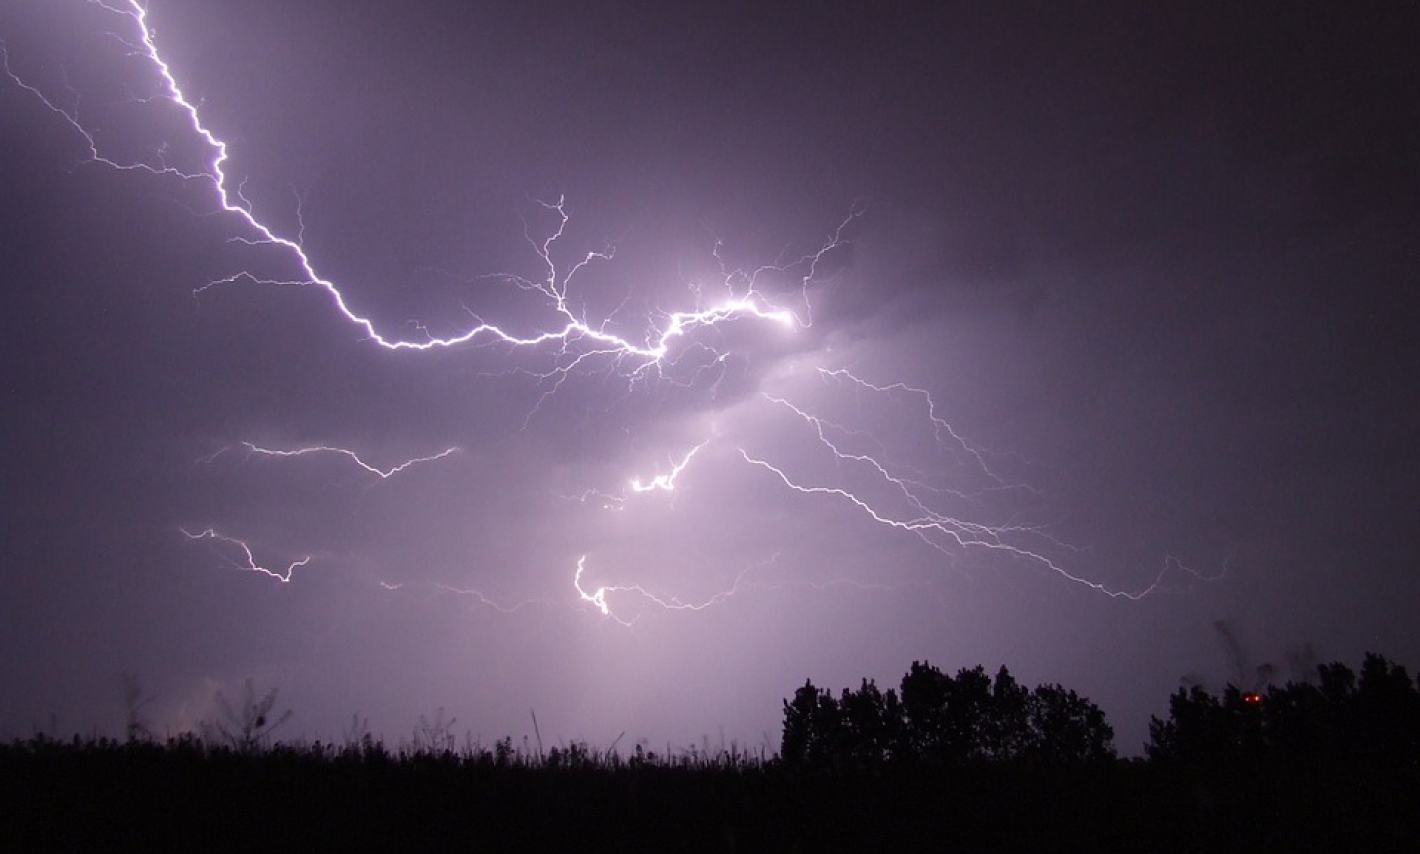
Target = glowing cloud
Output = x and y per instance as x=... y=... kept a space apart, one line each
x=570 y=342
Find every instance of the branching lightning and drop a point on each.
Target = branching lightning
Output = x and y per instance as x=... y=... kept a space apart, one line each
x=940 y=427
x=248 y=562
x=942 y=531
x=578 y=338
x=572 y=342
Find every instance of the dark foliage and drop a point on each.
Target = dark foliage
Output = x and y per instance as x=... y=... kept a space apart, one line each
x=188 y=795
x=1370 y=721
x=1327 y=764
x=936 y=719
x=942 y=764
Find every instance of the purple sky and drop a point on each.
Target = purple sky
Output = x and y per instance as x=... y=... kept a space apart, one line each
x=1153 y=264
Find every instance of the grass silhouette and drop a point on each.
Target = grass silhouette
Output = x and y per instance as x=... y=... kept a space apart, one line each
x=237 y=790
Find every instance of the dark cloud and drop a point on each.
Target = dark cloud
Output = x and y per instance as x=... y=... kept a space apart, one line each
x=1152 y=263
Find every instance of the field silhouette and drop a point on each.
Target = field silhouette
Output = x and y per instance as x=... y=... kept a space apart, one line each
x=942 y=763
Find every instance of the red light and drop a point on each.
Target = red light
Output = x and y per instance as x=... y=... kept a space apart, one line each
x=1252 y=698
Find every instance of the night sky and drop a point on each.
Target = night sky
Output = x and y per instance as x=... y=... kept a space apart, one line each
x=1153 y=264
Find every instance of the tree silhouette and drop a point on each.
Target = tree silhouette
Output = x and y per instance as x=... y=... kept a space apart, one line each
x=926 y=697
x=1008 y=733
x=938 y=719
x=1066 y=729
x=811 y=726
x=871 y=724
x=1387 y=713
x=1373 y=720
x=1202 y=727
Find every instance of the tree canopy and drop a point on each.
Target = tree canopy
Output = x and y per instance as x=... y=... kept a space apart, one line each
x=939 y=719
x=1371 y=719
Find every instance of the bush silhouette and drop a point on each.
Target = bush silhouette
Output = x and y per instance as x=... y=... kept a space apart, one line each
x=248 y=727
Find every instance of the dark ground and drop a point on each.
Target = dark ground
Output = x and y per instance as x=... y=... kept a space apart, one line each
x=107 y=795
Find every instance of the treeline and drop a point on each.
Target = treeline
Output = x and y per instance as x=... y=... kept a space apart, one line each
x=941 y=762
x=1339 y=718
x=935 y=718
x=1370 y=719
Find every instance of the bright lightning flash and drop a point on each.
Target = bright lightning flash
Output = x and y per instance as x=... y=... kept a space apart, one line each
x=574 y=342
x=575 y=338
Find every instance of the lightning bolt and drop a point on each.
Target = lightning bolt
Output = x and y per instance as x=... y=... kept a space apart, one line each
x=575 y=342
x=940 y=427
x=578 y=338
x=484 y=600
x=382 y=474
x=942 y=531
x=248 y=562
x=597 y=597
x=666 y=482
